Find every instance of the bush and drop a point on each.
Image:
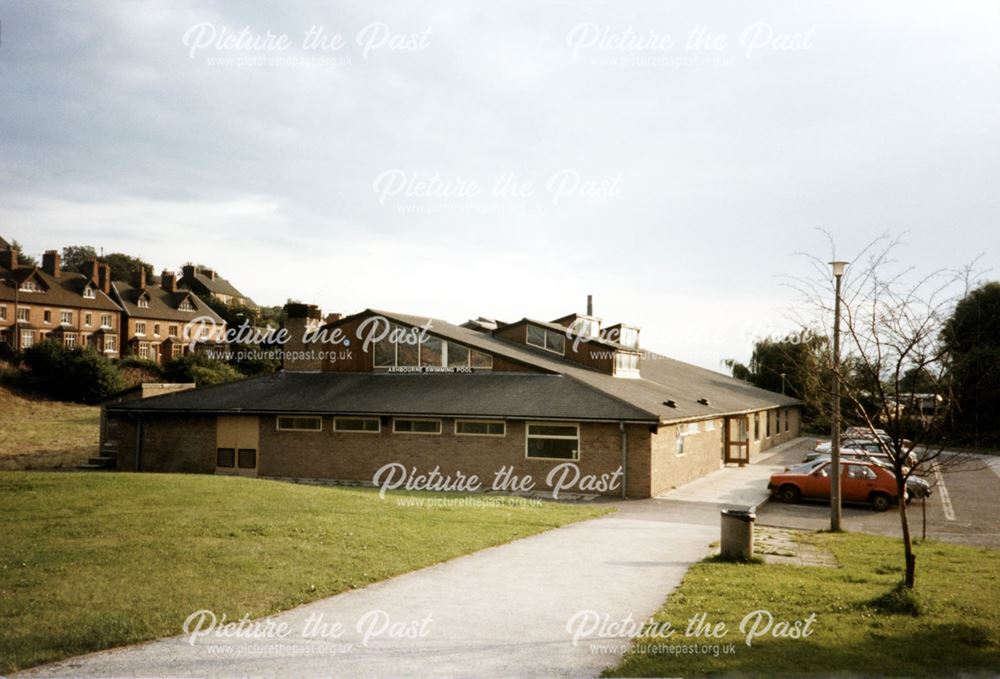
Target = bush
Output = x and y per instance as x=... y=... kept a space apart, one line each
x=200 y=369
x=77 y=374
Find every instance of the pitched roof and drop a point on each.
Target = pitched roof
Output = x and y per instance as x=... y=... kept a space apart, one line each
x=486 y=394
x=162 y=303
x=217 y=285
x=4 y=245
x=65 y=291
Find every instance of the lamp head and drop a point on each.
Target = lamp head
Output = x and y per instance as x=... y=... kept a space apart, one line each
x=838 y=267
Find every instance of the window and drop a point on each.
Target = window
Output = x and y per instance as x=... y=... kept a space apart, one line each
x=480 y=359
x=140 y=327
x=47 y=316
x=88 y=319
x=679 y=442
x=767 y=424
x=431 y=351
x=756 y=427
x=553 y=441
x=70 y=339
x=3 y=313
x=172 y=331
x=143 y=349
x=458 y=356
x=550 y=340
x=66 y=317
x=27 y=338
x=407 y=354
x=143 y=302
x=629 y=337
x=225 y=457
x=709 y=425
x=786 y=419
x=23 y=314
x=626 y=364
x=205 y=332
x=416 y=426
x=111 y=343
x=385 y=353
x=105 y=320
x=89 y=293
x=156 y=330
x=857 y=471
x=367 y=425
x=300 y=423
x=247 y=458
x=30 y=285
x=480 y=428
x=186 y=305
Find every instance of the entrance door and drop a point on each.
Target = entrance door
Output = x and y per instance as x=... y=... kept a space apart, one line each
x=738 y=440
x=237 y=438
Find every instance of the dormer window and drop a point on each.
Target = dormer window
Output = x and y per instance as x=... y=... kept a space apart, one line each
x=89 y=293
x=550 y=340
x=29 y=285
x=143 y=302
x=586 y=326
x=626 y=364
x=186 y=305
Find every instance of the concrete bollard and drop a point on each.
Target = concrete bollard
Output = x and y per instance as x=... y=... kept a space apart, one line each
x=737 y=534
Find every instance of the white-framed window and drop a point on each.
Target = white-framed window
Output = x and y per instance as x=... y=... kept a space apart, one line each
x=105 y=320
x=156 y=329
x=416 y=426
x=23 y=314
x=3 y=312
x=110 y=343
x=143 y=349
x=140 y=327
x=172 y=331
x=205 y=332
x=626 y=364
x=552 y=441
x=550 y=340
x=89 y=293
x=27 y=338
x=679 y=443
x=186 y=305
x=29 y=285
x=65 y=317
x=360 y=425
x=299 y=423
x=480 y=428
x=47 y=316
x=399 y=349
x=70 y=339
x=88 y=319
x=143 y=302
x=709 y=425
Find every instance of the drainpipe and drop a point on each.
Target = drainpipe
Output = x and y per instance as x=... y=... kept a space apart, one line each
x=621 y=427
x=138 y=443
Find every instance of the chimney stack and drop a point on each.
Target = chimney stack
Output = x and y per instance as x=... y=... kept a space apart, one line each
x=8 y=259
x=104 y=278
x=590 y=305
x=139 y=277
x=187 y=271
x=333 y=317
x=51 y=262
x=92 y=270
x=209 y=272
x=168 y=279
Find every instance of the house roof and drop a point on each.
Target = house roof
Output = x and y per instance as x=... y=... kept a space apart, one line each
x=486 y=394
x=217 y=285
x=162 y=303
x=65 y=291
x=4 y=245
x=561 y=329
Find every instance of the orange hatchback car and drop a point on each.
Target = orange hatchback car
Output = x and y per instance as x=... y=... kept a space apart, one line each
x=860 y=481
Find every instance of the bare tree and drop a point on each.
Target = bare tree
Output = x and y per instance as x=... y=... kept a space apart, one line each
x=891 y=322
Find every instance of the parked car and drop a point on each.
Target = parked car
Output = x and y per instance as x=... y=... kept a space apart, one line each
x=916 y=487
x=860 y=482
x=864 y=432
x=868 y=445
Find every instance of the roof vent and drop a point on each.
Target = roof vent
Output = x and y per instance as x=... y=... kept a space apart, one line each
x=704 y=401
x=670 y=404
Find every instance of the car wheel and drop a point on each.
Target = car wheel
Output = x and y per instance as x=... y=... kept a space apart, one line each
x=880 y=502
x=789 y=493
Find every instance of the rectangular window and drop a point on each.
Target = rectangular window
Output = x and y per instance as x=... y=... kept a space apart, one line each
x=416 y=426
x=481 y=359
x=3 y=313
x=300 y=423
x=27 y=338
x=172 y=331
x=247 y=458
x=480 y=428
x=88 y=319
x=110 y=343
x=143 y=349
x=367 y=425
x=140 y=327
x=550 y=340
x=406 y=354
x=458 y=356
x=626 y=363
x=70 y=339
x=47 y=316
x=89 y=293
x=23 y=314
x=679 y=448
x=553 y=441
x=786 y=419
x=767 y=424
x=756 y=426
x=156 y=330
x=186 y=306
x=385 y=353
x=105 y=320
x=431 y=351
x=225 y=457
x=66 y=317
x=709 y=425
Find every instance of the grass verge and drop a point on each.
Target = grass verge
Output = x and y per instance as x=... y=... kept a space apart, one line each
x=92 y=561
x=43 y=434
x=864 y=625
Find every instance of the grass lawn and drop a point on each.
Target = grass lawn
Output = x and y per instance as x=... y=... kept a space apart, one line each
x=43 y=434
x=94 y=560
x=958 y=628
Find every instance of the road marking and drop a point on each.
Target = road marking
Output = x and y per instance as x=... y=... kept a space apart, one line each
x=949 y=511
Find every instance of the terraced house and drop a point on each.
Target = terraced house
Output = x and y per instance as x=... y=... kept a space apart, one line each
x=47 y=303
x=162 y=321
x=208 y=282
x=520 y=398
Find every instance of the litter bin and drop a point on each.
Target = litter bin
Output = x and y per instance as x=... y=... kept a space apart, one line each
x=737 y=533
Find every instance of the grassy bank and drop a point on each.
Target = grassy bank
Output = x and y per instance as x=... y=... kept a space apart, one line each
x=43 y=434
x=92 y=561
x=858 y=630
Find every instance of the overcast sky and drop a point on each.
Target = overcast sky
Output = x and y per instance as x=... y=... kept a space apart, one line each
x=506 y=159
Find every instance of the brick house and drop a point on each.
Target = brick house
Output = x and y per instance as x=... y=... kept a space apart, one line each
x=159 y=320
x=208 y=282
x=47 y=303
x=472 y=400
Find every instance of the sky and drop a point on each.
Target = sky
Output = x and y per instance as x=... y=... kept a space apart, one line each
x=462 y=159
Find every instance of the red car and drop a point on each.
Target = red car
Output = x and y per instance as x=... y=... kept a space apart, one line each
x=860 y=481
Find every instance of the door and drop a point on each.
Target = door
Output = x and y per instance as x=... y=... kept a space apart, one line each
x=738 y=442
x=817 y=484
x=237 y=439
x=857 y=483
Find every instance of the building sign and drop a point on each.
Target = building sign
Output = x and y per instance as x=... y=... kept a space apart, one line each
x=427 y=369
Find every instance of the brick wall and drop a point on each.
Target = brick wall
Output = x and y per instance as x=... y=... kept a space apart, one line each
x=169 y=443
x=702 y=454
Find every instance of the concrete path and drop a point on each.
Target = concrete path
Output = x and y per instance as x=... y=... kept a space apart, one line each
x=496 y=613
x=742 y=486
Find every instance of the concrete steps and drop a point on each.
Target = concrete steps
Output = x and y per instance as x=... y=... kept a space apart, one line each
x=101 y=462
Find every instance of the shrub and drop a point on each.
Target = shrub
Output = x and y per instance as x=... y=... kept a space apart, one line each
x=200 y=369
x=77 y=374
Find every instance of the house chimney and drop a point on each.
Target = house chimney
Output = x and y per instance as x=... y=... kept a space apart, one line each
x=104 y=278
x=139 y=277
x=92 y=269
x=590 y=305
x=168 y=279
x=8 y=259
x=50 y=263
x=298 y=353
x=209 y=272
x=333 y=317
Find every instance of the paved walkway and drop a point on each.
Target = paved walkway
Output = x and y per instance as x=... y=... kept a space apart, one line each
x=496 y=613
x=741 y=486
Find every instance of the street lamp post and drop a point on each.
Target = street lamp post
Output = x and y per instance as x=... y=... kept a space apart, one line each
x=838 y=272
